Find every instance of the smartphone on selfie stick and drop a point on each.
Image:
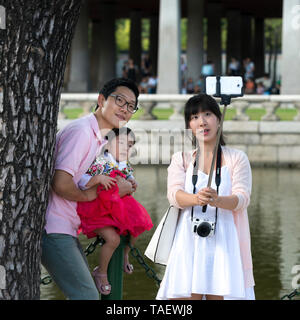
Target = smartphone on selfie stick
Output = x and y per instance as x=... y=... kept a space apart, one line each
x=225 y=88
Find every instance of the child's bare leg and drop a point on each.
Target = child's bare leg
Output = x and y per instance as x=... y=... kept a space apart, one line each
x=128 y=268
x=112 y=241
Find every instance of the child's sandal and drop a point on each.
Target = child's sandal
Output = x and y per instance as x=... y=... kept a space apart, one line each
x=104 y=289
x=128 y=268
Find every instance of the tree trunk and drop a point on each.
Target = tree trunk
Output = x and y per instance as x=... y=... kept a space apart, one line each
x=34 y=50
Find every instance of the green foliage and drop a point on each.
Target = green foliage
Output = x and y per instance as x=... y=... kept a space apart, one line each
x=273 y=28
x=164 y=114
x=223 y=33
x=122 y=34
x=183 y=30
x=73 y=113
x=145 y=34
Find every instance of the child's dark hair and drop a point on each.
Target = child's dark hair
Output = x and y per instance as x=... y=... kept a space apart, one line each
x=111 y=85
x=200 y=103
x=115 y=132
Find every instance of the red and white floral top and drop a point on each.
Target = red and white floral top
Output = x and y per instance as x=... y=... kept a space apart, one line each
x=105 y=164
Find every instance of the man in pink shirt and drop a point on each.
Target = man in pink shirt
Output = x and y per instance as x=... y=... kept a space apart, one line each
x=77 y=145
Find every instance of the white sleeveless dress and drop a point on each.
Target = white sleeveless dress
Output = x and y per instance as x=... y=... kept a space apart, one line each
x=210 y=265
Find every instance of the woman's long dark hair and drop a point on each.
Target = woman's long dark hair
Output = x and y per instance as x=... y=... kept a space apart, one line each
x=201 y=103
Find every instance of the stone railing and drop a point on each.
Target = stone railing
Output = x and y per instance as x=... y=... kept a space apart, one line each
x=267 y=142
x=176 y=101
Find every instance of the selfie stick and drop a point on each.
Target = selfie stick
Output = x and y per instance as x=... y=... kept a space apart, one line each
x=225 y=100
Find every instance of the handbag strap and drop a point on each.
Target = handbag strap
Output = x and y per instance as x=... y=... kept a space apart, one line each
x=183 y=161
x=217 y=177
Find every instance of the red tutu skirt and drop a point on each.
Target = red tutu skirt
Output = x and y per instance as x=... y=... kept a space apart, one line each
x=125 y=214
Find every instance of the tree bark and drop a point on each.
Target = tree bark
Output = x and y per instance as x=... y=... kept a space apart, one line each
x=33 y=53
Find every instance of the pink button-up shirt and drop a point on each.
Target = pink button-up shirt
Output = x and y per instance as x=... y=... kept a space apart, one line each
x=241 y=177
x=77 y=146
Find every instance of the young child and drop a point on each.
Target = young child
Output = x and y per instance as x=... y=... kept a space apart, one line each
x=110 y=216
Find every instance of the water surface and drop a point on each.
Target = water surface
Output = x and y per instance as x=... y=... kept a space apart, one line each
x=274 y=218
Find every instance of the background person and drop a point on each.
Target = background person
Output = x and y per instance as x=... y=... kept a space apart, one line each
x=199 y=85
x=266 y=81
x=249 y=69
x=208 y=69
x=152 y=84
x=190 y=86
x=143 y=86
x=132 y=71
x=249 y=86
x=234 y=67
x=260 y=89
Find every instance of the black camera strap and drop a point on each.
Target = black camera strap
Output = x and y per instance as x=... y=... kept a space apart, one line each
x=217 y=177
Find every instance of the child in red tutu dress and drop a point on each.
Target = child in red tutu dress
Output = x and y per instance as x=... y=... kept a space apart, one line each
x=109 y=215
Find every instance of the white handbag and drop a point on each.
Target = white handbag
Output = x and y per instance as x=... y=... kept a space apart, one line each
x=159 y=247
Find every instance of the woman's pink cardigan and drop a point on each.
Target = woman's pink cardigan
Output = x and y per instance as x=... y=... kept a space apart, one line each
x=241 y=177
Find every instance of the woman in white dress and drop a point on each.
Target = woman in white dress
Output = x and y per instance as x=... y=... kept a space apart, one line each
x=218 y=266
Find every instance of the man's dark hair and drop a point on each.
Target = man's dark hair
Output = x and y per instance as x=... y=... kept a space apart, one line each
x=111 y=86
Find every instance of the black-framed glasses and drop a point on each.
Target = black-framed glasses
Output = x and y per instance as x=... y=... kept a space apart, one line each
x=121 y=102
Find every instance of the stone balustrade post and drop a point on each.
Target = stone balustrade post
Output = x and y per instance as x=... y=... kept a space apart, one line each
x=86 y=106
x=178 y=107
x=148 y=106
x=62 y=106
x=271 y=107
x=241 y=107
x=177 y=102
x=297 y=107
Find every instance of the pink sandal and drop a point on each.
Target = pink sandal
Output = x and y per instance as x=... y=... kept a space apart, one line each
x=104 y=289
x=128 y=267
